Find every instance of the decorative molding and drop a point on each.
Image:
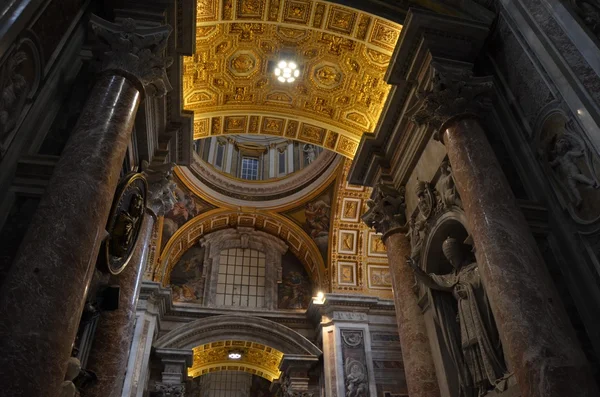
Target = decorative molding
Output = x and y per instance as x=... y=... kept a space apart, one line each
x=387 y=209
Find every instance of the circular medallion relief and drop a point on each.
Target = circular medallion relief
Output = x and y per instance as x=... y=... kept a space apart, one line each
x=124 y=223
x=327 y=75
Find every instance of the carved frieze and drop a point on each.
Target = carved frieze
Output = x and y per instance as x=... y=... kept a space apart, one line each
x=135 y=51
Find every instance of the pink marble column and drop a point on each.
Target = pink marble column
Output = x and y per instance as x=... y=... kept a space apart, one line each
x=419 y=368
x=110 y=349
x=42 y=298
x=387 y=215
x=538 y=338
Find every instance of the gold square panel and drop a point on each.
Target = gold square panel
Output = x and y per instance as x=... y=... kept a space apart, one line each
x=384 y=35
x=347 y=242
x=250 y=9
x=201 y=128
x=312 y=133
x=356 y=188
x=350 y=209
x=297 y=11
x=292 y=129
x=347 y=146
x=347 y=273
x=363 y=27
x=341 y=20
x=207 y=10
x=219 y=222
x=274 y=7
x=235 y=124
x=379 y=277
x=273 y=126
x=375 y=245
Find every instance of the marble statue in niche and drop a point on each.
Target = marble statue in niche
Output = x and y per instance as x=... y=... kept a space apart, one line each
x=466 y=321
x=295 y=291
x=310 y=153
x=450 y=196
x=187 y=281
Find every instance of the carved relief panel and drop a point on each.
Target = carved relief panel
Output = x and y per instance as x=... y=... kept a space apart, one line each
x=571 y=166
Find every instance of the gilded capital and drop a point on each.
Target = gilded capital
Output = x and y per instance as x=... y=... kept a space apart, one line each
x=387 y=209
x=169 y=390
x=161 y=187
x=454 y=94
x=135 y=52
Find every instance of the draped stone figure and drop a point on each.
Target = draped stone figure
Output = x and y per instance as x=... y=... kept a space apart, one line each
x=467 y=324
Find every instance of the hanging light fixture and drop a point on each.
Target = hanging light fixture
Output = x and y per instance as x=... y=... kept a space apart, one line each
x=287 y=71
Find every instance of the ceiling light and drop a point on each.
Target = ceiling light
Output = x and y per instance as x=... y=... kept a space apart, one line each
x=287 y=71
x=235 y=355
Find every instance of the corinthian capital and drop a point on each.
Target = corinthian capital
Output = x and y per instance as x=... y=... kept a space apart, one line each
x=387 y=209
x=455 y=94
x=135 y=52
x=161 y=187
x=168 y=390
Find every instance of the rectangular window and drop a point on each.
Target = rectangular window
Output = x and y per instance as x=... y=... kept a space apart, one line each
x=241 y=280
x=249 y=168
x=281 y=163
x=220 y=155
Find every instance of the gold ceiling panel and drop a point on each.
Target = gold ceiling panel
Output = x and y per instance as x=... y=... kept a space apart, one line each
x=256 y=359
x=342 y=54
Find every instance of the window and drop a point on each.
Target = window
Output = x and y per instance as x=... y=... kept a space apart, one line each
x=281 y=163
x=226 y=384
x=241 y=278
x=220 y=154
x=250 y=168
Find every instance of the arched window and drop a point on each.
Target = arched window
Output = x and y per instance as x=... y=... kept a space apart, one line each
x=241 y=280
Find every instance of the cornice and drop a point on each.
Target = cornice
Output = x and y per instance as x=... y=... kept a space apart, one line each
x=425 y=38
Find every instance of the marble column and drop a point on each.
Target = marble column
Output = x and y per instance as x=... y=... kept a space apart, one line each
x=42 y=298
x=387 y=216
x=110 y=349
x=538 y=339
x=114 y=333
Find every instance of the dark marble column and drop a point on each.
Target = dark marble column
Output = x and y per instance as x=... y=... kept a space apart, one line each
x=42 y=298
x=537 y=337
x=110 y=350
x=387 y=215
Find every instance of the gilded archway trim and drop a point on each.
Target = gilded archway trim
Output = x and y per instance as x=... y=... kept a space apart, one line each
x=299 y=243
x=256 y=358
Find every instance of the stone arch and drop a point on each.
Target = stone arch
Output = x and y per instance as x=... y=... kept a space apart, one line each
x=299 y=243
x=238 y=327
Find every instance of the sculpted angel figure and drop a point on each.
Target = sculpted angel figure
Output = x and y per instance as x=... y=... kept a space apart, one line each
x=471 y=335
x=565 y=160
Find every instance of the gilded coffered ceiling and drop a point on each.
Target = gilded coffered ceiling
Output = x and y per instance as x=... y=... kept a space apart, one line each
x=342 y=55
x=255 y=358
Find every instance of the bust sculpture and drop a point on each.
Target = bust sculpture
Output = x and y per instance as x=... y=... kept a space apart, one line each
x=471 y=334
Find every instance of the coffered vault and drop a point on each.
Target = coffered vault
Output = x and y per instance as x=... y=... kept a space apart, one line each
x=342 y=54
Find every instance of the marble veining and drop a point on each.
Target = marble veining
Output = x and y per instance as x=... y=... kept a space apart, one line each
x=538 y=339
x=43 y=295
x=416 y=352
